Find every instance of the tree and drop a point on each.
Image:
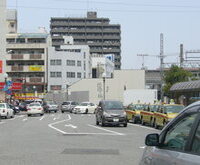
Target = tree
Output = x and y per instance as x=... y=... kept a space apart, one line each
x=174 y=75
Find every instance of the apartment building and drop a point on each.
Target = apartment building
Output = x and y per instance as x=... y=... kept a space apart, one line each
x=2 y=38
x=68 y=64
x=101 y=36
x=26 y=57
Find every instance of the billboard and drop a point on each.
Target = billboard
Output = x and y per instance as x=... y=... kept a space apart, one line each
x=35 y=68
x=15 y=86
x=1 y=66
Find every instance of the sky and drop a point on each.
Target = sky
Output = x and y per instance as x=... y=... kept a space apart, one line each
x=141 y=21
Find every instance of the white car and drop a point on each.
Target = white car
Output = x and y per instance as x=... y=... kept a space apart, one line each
x=35 y=108
x=6 y=111
x=85 y=107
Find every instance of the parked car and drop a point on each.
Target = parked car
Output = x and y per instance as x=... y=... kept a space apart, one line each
x=35 y=108
x=6 y=111
x=111 y=112
x=50 y=106
x=23 y=106
x=85 y=107
x=68 y=106
x=15 y=108
x=179 y=141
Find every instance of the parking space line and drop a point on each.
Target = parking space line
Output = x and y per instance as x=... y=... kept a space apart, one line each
x=141 y=126
x=114 y=132
x=25 y=119
x=42 y=118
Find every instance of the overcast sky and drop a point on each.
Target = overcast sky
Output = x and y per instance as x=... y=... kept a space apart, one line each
x=141 y=21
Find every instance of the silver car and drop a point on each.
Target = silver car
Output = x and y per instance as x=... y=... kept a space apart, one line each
x=68 y=106
x=179 y=141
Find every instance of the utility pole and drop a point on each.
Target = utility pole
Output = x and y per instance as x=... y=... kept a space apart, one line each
x=143 y=55
x=181 y=55
x=161 y=64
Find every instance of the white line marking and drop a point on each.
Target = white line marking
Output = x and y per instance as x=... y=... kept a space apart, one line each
x=54 y=118
x=52 y=115
x=70 y=125
x=15 y=117
x=25 y=119
x=42 y=118
x=89 y=115
x=90 y=134
x=141 y=126
x=142 y=147
x=51 y=125
x=117 y=133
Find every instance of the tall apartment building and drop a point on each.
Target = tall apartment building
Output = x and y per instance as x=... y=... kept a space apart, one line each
x=2 y=38
x=26 y=61
x=101 y=36
x=11 y=21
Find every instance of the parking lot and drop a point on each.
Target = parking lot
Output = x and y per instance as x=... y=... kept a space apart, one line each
x=67 y=138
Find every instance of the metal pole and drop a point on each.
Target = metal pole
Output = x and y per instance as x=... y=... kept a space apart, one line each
x=67 y=91
x=181 y=55
x=104 y=89
x=5 y=85
x=161 y=64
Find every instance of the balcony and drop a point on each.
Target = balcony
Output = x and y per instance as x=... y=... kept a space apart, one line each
x=17 y=57
x=21 y=57
x=35 y=57
x=35 y=79
x=30 y=68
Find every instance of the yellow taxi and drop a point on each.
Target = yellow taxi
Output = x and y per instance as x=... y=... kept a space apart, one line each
x=133 y=112
x=147 y=115
x=166 y=113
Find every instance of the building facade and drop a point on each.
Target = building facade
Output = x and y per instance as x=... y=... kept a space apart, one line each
x=11 y=21
x=26 y=61
x=2 y=39
x=100 y=65
x=68 y=64
x=101 y=36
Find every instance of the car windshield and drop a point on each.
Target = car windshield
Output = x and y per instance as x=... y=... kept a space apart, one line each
x=113 y=105
x=65 y=103
x=154 y=108
x=84 y=104
x=34 y=104
x=2 y=105
x=173 y=108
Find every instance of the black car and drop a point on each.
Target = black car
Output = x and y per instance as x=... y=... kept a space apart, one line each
x=111 y=112
x=23 y=106
x=15 y=108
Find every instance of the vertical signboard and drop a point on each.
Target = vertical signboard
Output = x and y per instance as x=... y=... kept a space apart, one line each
x=1 y=66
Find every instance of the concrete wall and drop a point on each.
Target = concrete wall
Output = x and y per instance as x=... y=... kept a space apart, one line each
x=114 y=87
x=2 y=36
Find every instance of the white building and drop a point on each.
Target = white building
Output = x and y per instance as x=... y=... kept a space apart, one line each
x=11 y=21
x=2 y=38
x=68 y=64
x=101 y=64
x=93 y=89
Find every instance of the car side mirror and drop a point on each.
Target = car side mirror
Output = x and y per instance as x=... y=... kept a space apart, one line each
x=152 y=140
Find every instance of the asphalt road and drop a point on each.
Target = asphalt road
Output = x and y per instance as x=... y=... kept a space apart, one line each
x=69 y=139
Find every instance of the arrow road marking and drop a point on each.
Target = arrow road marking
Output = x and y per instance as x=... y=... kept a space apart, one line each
x=42 y=118
x=70 y=125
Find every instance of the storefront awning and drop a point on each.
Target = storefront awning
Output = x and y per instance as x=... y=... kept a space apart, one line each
x=185 y=86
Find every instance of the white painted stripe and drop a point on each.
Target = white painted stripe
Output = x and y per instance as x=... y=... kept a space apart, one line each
x=42 y=118
x=141 y=126
x=143 y=147
x=51 y=125
x=117 y=133
x=54 y=118
x=1 y=122
x=91 y=134
x=25 y=119
x=70 y=125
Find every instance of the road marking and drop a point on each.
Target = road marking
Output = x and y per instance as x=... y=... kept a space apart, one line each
x=52 y=115
x=15 y=117
x=1 y=122
x=143 y=147
x=117 y=133
x=42 y=118
x=25 y=119
x=89 y=115
x=91 y=134
x=141 y=126
x=54 y=118
x=51 y=125
x=70 y=125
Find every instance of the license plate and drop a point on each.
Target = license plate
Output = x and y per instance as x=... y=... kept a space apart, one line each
x=115 y=119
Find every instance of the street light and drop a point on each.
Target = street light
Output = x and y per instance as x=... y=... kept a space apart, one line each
x=5 y=77
x=67 y=89
x=104 y=82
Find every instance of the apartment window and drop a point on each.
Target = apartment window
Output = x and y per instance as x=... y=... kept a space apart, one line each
x=78 y=63
x=55 y=74
x=70 y=74
x=78 y=74
x=71 y=62
x=55 y=62
x=55 y=87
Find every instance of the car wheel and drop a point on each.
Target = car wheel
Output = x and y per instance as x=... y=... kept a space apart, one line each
x=41 y=114
x=134 y=120
x=55 y=111
x=102 y=123
x=125 y=125
x=97 y=123
x=29 y=115
x=86 y=111
x=62 y=111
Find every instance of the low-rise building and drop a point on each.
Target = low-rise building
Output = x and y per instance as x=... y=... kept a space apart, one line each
x=102 y=64
x=68 y=64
